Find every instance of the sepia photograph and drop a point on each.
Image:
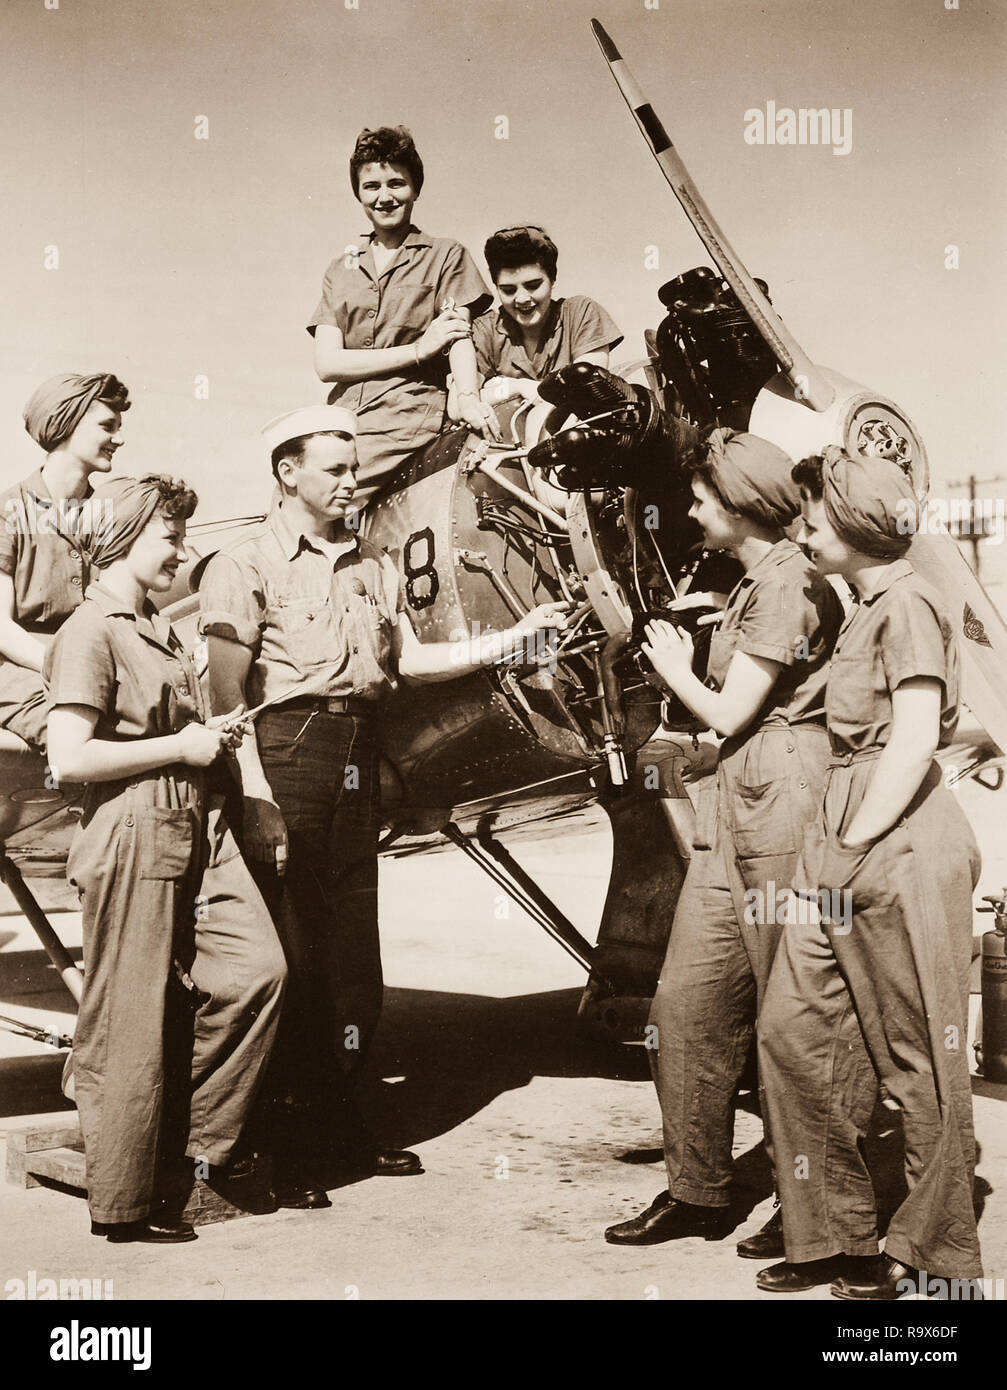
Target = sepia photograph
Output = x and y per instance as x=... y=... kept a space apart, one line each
x=503 y=666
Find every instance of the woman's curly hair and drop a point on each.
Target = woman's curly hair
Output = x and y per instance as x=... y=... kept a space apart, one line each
x=178 y=501
x=386 y=145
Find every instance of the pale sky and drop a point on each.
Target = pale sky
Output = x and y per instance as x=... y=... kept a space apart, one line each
x=181 y=257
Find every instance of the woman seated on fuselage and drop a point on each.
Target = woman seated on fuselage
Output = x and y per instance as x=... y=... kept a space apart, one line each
x=395 y=312
x=531 y=334
x=43 y=572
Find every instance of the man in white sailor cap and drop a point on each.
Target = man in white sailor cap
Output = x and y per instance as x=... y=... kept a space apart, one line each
x=306 y=614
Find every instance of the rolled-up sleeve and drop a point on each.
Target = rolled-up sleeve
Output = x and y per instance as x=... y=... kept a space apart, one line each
x=913 y=639
x=331 y=308
x=8 y=541
x=460 y=279
x=484 y=342
x=591 y=327
x=79 y=667
x=774 y=622
x=231 y=602
x=395 y=594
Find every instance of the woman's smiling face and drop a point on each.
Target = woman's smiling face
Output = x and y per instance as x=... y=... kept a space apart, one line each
x=817 y=538
x=387 y=194
x=96 y=438
x=525 y=294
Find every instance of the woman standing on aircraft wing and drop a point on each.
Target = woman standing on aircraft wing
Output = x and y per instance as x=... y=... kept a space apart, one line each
x=391 y=309
x=77 y=420
x=755 y=824
x=882 y=994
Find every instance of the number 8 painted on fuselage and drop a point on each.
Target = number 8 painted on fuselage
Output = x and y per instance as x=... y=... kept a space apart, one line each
x=420 y=595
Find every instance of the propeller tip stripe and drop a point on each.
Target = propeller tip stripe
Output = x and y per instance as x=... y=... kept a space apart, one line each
x=607 y=46
x=656 y=133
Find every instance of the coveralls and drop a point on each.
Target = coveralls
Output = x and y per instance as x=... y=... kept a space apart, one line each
x=319 y=621
x=161 y=881
x=755 y=823
x=886 y=1000
x=39 y=550
x=575 y=325
x=402 y=411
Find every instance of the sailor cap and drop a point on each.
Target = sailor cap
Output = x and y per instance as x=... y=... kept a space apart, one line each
x=313 y=419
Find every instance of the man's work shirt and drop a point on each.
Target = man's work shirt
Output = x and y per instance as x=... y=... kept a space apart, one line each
x=402 y=411
x=38 y=550
x=782 y=610
x=899 y=630
x=575 y=326
x=317 y=616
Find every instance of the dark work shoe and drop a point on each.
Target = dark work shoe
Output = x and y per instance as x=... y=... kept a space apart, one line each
x=160 y=1232
x=668 y=1219
x=302 y=1198
x=878 y=1279
x=810 y=1274
x=766 y=1243
x=395 y=1163
x=372 y=1161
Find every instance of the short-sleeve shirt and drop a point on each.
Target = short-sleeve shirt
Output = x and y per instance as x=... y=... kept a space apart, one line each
x=575 y=326
x=394 y=308
x=133 y=671
x=782 y=610
x=318 y=623
x=899 y=630
x=38 y=550
x=402 y=411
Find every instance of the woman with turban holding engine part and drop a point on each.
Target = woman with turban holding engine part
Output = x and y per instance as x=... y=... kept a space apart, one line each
x=178 y=1016
x=755 y=824
x=885 y=998
x=43 y=573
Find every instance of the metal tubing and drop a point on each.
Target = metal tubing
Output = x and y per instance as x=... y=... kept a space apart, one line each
x=54 y=948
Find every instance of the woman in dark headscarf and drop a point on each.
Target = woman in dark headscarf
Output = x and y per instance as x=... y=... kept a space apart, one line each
x=43 y=574
x=885 y=999
x=155 y=1086
x=754 y=825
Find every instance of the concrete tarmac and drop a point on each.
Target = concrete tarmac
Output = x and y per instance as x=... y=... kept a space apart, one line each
x=524 y=1124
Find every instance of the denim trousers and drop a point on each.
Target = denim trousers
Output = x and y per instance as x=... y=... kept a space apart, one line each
x=323 y=771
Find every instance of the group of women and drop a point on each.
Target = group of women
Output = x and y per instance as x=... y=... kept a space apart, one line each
x=825 y=781
x=827 y=797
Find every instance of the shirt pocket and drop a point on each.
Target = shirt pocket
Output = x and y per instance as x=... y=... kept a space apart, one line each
x=408 y=310
x=373 y=628
x=856 y=695
x=165 y=838
x=303 y=627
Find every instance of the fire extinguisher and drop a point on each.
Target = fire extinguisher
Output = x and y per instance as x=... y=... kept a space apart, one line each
x=993 y=1059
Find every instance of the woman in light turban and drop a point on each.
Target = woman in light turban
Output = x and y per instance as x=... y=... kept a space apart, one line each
x=755 y=823
x=883 y=997
x=43 y=572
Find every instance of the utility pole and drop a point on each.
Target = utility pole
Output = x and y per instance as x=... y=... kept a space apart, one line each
x=974 y=533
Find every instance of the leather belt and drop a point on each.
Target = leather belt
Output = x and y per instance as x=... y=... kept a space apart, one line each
x=332 y=704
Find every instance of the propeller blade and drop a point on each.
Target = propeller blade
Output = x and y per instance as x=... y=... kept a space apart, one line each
x=809 y=383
